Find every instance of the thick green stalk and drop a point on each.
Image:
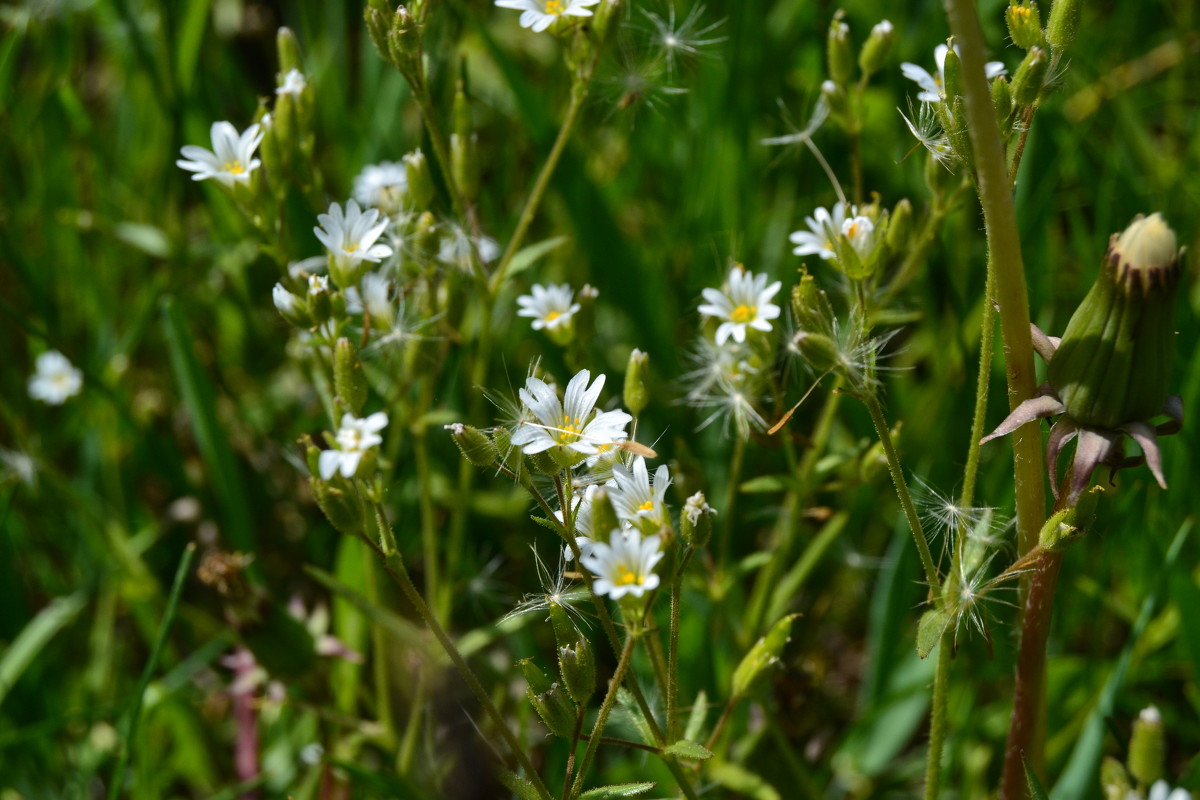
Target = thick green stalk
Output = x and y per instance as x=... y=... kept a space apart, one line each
x=906 y=502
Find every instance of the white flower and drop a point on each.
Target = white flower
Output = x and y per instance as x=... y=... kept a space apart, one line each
x=823 y=230
x=934 y=86
x=549 y=307
x=1161 y=790
x=540 y=14
x=55 y=380
x=383 y=185
x=284 y=300
x=372 y=297
x=318 y=284
x=19 y=466
x=634 y=498
x=351 y=237
x=293 y=83
x=455 y=249
x=697 y=506
x=354 y=439
x=300 y=270
x=746 y=304
x=571 y=423
x=232 y=159
x=582 y=506
x=860 y=232
x=625 y=565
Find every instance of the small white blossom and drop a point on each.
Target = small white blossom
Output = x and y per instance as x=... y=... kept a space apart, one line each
x=300 y=270
x=860 y=232
x=373 y=297
x=569 y=423
x=933 y=87
x=55 y=380
x=354 y=439
x=635 y=500
x=822 y=233
x=540 y=14
x=19 y=466
x=232 y=158
x=746 y=303
x=318 y=284
x=697 y=506
x=549 y=306
x=293 y=83
x=284 y=300
x=351 y=235
x=625 y=565
x=1161 y=790
x=582 y=505
x=382 y=185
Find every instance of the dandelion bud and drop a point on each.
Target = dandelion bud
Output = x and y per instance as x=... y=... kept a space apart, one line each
x=1114 y=362
x=576 y=660
x=875 y=50
x=474 y=444
x=1063 y=24
x=1027 y=83
x=604 y=516
x=635 y=396
x=1024 y=23
x=348 y=379
x=695 y=521
x=838 y=55
x=900 y=226
x=1147 y=747
x=820 y=351
x=1114 y=780
x=549 y=700
x=1002 y=101
x=288 y=50
x=420 y=181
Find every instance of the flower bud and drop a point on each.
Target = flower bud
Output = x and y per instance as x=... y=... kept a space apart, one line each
x=510 y=455
x=635 y=396
x=420 y=181
x=875 y=50
x=1114 y=780
x=576 y=660
x=1031 y=75
x=1147 y=747
x=1063 y=24
x=952 y=75
x=900 y=227
x=810 y=304
x=377 y=15
x=319 y=299
x=838 y=55
x=290 y=306
x=288 y=50
x=1002 y=101
x=604 y=516
x=348 y=379
x=695 y=521
x=820 y=351
x=835 y=97
x=474 y=444
x=1114 y=362
x=1024 y=23
x=549 y=700
x=341 y=503
x=404 y=42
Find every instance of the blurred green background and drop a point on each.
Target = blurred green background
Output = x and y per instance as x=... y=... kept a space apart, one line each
x=154 y=286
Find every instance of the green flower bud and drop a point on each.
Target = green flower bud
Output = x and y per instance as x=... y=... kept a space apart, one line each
x=900 y=227
x=838 y=55
x=576 y=661
x=420 y=181
x=377 y=16
x=810 y=304
x=1002 y=101
x=952 y=74
x=1031 y=76
x=288 y=49
x=874 y=53
x=820 y=351
x=695 y=521
x=604 y=516
x=348 y=379
x=1147 y=747
x=549 y=700
x=835 y=97
x=1114 y=362
x=635 y=396
x=1024 y=23
x=474 y=444
x=1114 y=780
x=404 y=42
x=1063 y=24
x=320 y=300
x=1069 y=525
x=341 y=503
x=510 y=455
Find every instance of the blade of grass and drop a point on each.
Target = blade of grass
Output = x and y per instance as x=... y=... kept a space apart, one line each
x=34 y=636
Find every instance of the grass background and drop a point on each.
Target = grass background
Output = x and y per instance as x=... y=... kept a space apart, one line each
x=153 y=285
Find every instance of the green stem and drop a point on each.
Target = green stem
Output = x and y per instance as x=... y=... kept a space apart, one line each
x=910 y=511
x=438 y=142
x=379 y=661
x=731 y=493
x=160 y=640
x=673 y=646
x=394 y=564
x=429 y=543
x=610 y=698
x=579 y=91
x=937 y=719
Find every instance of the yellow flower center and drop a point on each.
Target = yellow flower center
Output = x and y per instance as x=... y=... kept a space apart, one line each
x=554 y=7
x=646 y=506
x=852 y=231
x=234 y=167
x=352 y=247
x=626 y=576
x=744 y=313
x=569 y=430
x=1018 y=11
x=550 y=317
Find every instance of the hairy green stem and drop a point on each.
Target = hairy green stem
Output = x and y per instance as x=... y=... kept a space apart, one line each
x=906 y=501
x=440 y=149
x=673 y=645
x=379 y=661
x=610 y=698
x=579 y=92
x=731 y=494
x=937 y=719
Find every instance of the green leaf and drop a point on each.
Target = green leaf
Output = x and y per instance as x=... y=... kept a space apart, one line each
x=764 y=653
x=931 y=628
x=742 y=781
x=695 y=721
x=688 y=750
x=617 y=790
x=527 y=256
x=522 y=787
x=36 y=635
x=766 y=483
x=1036 y=790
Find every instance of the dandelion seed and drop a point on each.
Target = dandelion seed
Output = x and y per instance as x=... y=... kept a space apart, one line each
x=928 y=132
x=557 y=589
x=55 y=379
x=232 y=158
x=675 y=40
